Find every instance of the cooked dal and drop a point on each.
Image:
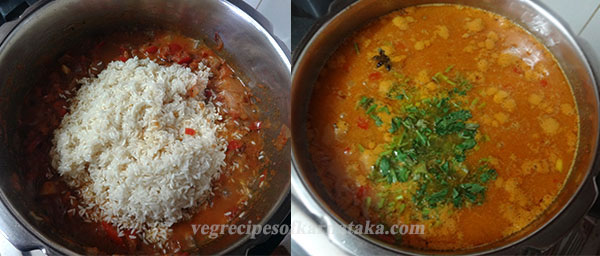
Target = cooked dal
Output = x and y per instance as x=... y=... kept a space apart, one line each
x=447 y=116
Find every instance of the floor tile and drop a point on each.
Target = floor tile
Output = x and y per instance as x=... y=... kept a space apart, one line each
x=574 y=13
x=278 y=12
x=253 y=3
x=591 y=41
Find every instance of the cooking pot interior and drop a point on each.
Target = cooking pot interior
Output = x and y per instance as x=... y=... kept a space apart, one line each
x=58 y=26
x=309 y=60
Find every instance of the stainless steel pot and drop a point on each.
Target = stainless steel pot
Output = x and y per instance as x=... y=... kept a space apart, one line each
x=346 y=16
x=49 y=28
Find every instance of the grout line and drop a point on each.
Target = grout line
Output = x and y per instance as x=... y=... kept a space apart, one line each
x=588 y=21
x=259 y=2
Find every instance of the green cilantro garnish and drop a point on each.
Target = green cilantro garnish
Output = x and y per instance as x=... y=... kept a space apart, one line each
x=431 y=141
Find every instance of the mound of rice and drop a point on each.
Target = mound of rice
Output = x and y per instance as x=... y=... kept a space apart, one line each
x=123 y=146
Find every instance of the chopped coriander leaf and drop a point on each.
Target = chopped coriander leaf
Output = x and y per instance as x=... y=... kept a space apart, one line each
x=371 y=108
x=439 y=77
x=395 y=124
x=378 y=121
x=401 y=208
x=488 y=175
x=397 y=91
x=380 y=203
x=466 y=145
x=431 y=139
x=474 y=103
x=360 y=148
x=403 y=174
x=437 y=197
x=365 y=102
x=384 y=165
x=356 y=48
x=472 y=187
x=449 y=68
x=384 y=109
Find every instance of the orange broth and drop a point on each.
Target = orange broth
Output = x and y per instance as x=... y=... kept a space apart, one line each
x=528 y=122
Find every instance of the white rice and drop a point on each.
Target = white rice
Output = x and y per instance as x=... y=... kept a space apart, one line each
x=123 y=146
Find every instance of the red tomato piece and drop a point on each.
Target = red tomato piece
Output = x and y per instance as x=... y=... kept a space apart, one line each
x=256 y=126
x=361 y=192
x=219 y=41
x=112 y=233
x=517 y=70
x=346 y=150
x=185 y=60
x=375 y=76
x=152 y=49
x=234 y=145
x=363 y=123
x=190 y=131
x=208 y=93
x=192 y=92
x=174 y=47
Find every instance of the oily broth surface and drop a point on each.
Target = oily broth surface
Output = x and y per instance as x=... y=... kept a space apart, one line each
x=525 y=108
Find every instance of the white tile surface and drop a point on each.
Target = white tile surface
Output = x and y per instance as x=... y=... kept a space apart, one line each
x=591 y=35
x=575 y=12
x=6 y=249
x=253 y=3
x=316 y=243
x=278 y=12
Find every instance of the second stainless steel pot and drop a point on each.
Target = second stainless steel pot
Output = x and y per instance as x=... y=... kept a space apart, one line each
x=344 y=17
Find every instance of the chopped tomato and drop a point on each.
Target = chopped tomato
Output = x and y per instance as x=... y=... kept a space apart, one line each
x=363 y=123
x=218 y=41
x=112 y=233
x=361 y=192
x=174 y=47
x=59 y=107
x=263 y=176
x=256 y=125
x=152 y=49
x=544 y=82
x=234 y=145
x=185 y=60
x=123 y=58
x=62 y=112
x=517 y=70
x=208 y=93
x=375 y=76
x=192 y=92
x=346 y=150
x=190 y=131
